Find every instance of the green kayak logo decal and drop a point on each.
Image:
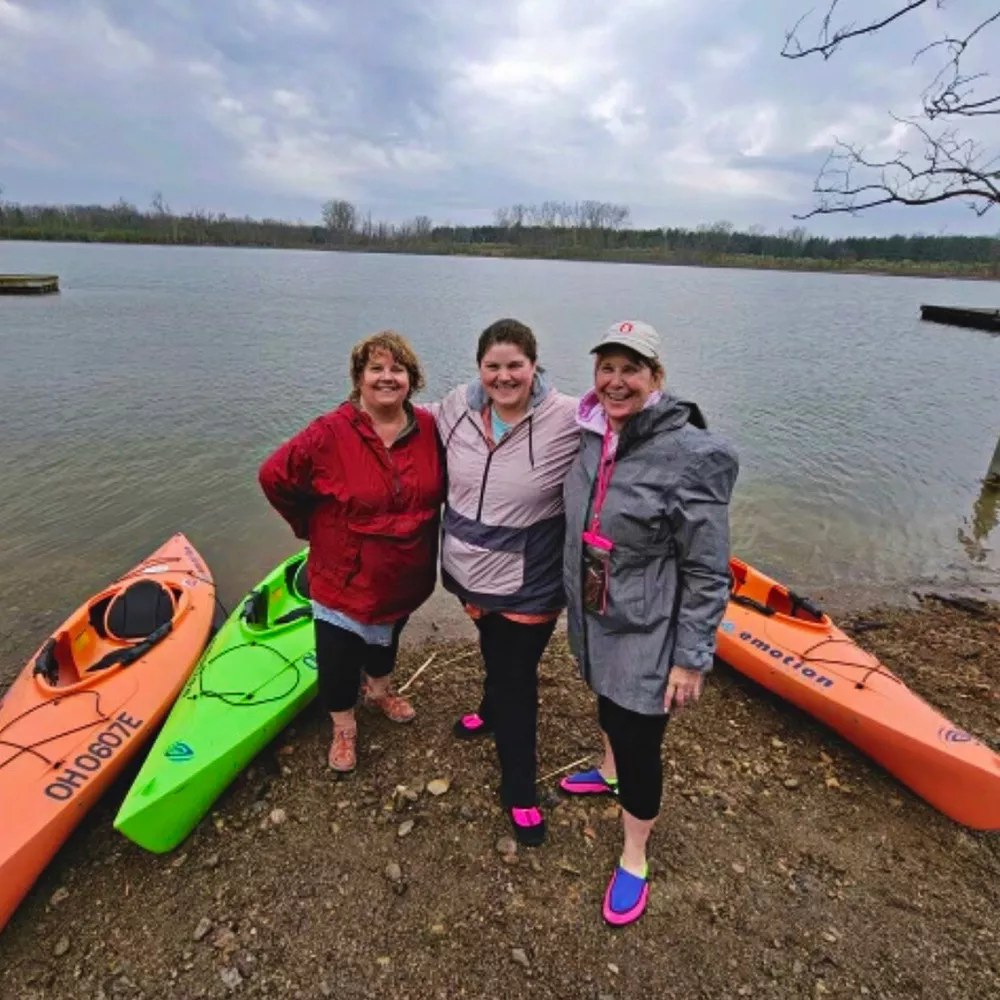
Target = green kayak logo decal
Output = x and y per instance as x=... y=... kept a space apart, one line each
x=179 y=752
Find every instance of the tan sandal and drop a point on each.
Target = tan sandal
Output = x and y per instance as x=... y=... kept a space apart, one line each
x=393 y=706
x=344 y=750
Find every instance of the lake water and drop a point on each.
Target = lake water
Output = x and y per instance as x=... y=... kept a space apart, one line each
x=141 y=400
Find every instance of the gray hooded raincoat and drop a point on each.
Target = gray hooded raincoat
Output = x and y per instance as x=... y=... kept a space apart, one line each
x=667 y=513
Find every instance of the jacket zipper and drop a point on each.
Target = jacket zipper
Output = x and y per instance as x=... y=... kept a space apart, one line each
x=489 y=461
x=583 y=610
x=385 y=455
x=590 y=504
x=482 y=488
x=397 y=484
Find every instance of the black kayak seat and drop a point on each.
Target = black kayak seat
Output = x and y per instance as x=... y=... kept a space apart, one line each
x=139 y=610
x=255 y=608
x=297 y=578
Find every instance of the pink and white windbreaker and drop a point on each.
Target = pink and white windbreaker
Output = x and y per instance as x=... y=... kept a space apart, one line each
x=504 y=523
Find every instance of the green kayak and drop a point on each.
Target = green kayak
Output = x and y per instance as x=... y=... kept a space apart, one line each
x=257 y=674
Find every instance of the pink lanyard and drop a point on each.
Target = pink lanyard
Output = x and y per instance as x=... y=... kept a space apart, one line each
x=604 y=472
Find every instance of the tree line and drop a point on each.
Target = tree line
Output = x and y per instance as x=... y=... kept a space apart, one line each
x=575 y=230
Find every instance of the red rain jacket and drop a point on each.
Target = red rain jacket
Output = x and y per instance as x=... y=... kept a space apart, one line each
x=371 y=515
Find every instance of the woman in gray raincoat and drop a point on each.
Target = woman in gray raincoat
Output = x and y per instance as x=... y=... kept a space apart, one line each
x=646 y=574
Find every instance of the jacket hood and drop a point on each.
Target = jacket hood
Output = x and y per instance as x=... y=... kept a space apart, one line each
x=590 y=415
x=477 y=397
x=662 y=412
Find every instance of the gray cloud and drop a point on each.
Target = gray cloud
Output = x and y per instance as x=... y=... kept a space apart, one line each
x=684 y=112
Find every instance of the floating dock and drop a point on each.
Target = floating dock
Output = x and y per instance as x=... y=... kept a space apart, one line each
x=28 y=284
x=981 y=319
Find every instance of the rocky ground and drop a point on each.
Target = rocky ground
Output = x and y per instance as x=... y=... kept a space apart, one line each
x=785 y=863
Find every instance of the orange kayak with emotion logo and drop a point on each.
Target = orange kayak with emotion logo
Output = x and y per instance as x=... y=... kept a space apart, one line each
x=791 y=647
x=90 y=699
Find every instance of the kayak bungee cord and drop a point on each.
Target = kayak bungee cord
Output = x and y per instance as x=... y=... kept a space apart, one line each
x=215 y=592
x=142 y=569
x=31 y=747
x=879 y=668
x=218 y=603
x=246 y=698
x=807 y=656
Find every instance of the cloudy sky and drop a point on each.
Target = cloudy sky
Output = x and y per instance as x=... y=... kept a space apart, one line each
x=683 y=110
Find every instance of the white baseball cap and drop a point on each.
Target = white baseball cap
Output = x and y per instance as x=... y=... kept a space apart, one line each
x=633 y=334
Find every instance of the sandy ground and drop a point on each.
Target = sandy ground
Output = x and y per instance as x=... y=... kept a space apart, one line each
x=785 y=863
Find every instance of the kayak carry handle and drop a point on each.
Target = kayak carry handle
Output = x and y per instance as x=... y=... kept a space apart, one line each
x=749 y=602
x=806 y=604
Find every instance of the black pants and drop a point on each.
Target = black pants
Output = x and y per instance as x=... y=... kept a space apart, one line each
x=341 y=656
x=511 y=652
x=635 y=741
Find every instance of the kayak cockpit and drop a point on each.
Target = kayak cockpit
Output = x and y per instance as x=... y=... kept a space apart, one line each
x=758 y=592
x=113 y=630
x=284 y=602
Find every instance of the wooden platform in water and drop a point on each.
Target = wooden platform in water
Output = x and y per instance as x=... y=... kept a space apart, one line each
x=981 y=319
x=28 y=284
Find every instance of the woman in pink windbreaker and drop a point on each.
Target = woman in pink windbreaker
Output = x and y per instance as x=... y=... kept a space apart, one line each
x=510 y=439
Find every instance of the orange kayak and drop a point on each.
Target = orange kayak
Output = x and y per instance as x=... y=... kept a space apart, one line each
x=792 y=648
x=88 y=701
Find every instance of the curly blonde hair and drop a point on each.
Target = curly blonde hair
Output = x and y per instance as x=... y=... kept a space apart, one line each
x=401 y=351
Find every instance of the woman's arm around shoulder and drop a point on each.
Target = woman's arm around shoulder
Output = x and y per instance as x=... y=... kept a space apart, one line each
x=448 y=410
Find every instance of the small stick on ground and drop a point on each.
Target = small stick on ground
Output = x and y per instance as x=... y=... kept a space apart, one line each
x=866 y=626
x=425 y=665
x=970 y=605
x=418 y=671
x=568 y=767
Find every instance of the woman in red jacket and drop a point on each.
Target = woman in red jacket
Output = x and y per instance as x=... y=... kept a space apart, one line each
x=364 y=485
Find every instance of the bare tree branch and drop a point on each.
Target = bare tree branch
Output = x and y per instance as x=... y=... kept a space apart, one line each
x=952 y=168
x=827 y=43
x=948 y=167
x=950 y=92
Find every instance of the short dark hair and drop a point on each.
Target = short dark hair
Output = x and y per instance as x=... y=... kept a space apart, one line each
x=401 y=351
x=508 y=331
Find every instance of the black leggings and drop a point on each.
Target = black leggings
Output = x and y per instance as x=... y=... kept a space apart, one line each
x=511 y=651
x=635 y=741
x=340 y=657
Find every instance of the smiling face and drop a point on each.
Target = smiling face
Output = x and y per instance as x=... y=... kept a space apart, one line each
x=623 y=384
x=506 y=373
x=384 y=383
